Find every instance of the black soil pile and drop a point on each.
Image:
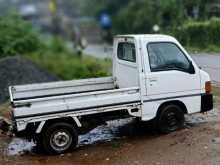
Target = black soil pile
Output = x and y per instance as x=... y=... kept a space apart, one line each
x=17 y=71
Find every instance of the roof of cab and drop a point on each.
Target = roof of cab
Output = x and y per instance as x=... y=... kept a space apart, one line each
x=150 y=37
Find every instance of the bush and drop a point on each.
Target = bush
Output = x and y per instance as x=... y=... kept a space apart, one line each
x=17 y=36
x=133 y=18
x=56 y=44
x=63 y=62
x=200 y=34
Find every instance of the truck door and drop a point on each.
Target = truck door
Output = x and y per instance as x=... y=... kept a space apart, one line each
x=125 y=63
x=171 y=72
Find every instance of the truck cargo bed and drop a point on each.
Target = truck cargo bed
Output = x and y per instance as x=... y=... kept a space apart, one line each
x=89 y=95
x=32 y=91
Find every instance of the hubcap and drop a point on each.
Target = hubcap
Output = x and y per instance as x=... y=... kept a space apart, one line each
x=60 y=140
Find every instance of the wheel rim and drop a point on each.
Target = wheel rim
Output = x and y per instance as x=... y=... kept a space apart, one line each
x=60 y=140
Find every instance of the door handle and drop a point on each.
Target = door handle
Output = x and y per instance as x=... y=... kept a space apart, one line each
x=153 y=79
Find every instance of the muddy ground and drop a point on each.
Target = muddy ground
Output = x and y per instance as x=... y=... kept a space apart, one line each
x=126 y=142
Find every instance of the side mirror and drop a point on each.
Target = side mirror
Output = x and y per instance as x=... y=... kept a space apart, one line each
x=191 y=69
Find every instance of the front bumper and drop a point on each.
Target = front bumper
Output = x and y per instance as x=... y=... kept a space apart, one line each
x=206 y=102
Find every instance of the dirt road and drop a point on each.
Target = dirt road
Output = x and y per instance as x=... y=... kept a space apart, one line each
x=128 y=142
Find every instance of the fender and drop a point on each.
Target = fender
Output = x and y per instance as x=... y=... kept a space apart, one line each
x=42 y=123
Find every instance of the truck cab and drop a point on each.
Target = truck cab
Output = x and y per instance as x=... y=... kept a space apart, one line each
x=153 y=78
x=163 y=70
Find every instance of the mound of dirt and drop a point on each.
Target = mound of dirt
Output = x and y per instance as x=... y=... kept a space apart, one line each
x=17 y=71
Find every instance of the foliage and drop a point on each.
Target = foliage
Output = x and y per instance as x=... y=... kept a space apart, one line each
x=140 y=15
x=200 y=34
x=17 y=36
x=171 y=13
x=98 y=6
x=59 y=60
x=133 y=19
x=56 y=44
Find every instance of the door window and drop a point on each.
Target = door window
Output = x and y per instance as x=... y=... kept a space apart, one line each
x=126 y=51
x=167 y=56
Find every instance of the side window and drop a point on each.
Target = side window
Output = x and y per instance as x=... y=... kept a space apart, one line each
x=126 y=51
x=167 y=56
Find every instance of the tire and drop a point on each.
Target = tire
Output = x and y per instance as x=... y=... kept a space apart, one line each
x=170 y=119
x=59 y=138
x=39 y=143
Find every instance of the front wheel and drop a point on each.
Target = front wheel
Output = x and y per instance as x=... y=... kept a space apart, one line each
x=59 y=138
x=171 y=118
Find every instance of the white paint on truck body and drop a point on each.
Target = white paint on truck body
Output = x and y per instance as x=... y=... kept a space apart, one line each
x=134 y=85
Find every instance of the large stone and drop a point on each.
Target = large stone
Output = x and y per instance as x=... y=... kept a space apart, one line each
x=18 y=70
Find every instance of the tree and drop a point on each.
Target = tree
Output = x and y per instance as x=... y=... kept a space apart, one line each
x=137 y=17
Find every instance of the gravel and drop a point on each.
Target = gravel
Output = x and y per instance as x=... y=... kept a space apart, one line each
x=18 y=70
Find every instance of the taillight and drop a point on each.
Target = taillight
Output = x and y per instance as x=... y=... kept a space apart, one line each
x=208 y=86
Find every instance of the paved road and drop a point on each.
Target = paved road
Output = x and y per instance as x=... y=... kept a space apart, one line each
x=208 y=62
x=99 y=51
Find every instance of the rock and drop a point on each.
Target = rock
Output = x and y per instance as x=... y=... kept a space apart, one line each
x=216 y=140
x=136 y=162
x=69 y=154
x=17 y=71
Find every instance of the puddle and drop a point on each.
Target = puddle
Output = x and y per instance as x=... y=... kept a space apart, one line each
x=193 y=120
x=198 y=118
x=19 y=146
x=102 y=133
x=112 y=130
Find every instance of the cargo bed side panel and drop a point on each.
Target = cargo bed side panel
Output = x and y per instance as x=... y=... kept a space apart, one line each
x=75 y=103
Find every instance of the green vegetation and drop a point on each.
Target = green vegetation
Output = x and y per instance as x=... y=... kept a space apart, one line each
x=208 y=49
x=66 y=64
x=17 y=36
x=140 y=15
x=216 y=91
x=4 y=109
x=200 y=34
x=195 y=23
x=143 y=15
x=70 y=66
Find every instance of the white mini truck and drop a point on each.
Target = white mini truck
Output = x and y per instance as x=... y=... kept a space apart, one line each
x=154 y=79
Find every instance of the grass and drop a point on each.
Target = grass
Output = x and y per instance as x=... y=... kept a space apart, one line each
x=208 y=49
x=5 y=109
x=68 y=65
x=216 y=91
x=116 y=144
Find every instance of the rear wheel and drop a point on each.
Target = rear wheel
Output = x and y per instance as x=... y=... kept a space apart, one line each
x=171 y=118
x=59 y=138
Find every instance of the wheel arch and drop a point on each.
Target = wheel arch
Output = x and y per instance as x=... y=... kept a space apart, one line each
x=69 y=120
x=175 y=102
x=43 y=140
